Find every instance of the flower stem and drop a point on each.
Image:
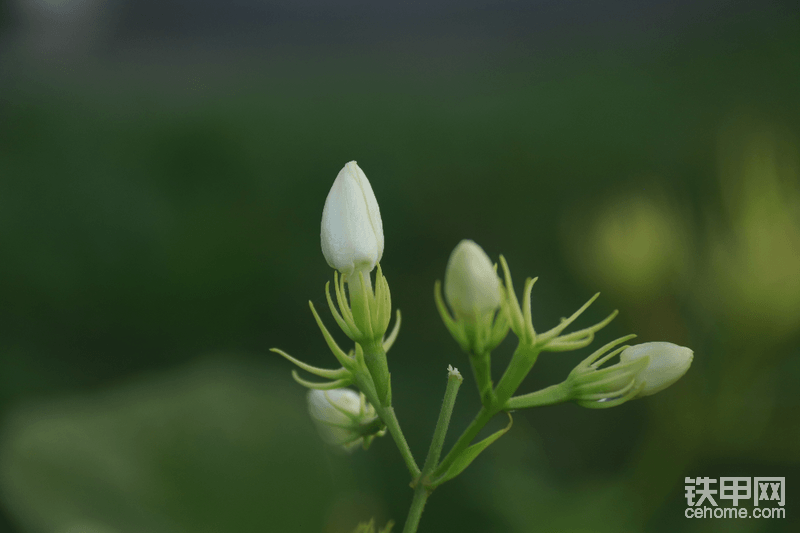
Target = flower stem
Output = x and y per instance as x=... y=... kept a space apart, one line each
x=548 y=396
x=454 y=381
x=421 y=494
x=421 y=489
x=481 y=368
x=390 y=419
x=521 y=363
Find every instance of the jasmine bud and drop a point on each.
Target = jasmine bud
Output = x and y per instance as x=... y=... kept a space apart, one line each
x=471 y=285
x=667 y=364
x=352 y=230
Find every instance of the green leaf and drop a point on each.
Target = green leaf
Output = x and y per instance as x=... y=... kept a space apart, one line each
x=467 y=456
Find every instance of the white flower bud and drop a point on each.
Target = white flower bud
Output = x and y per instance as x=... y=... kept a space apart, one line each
x=471 y=285
x=341 y=416
x=352 y=230
x=668 y=362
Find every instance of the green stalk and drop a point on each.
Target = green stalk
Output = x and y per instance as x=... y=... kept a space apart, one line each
x=417 y=506
x=521 y=362
x=388 y=416
x=421 y=490
x=481 y=369
x=551 y=395
x=390 y=419
x=378 y=366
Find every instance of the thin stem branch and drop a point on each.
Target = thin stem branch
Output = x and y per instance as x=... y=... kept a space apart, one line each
x=521 y=363
x=421 y=490
x=481 y=369
x=454 y=381
x=390 y=419
x=548 y=396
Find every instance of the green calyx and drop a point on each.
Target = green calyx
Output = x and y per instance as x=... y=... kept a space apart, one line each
x=589 y=385
x=480 y=334
x=365 y=319
x=476 y=334
x=551 y=340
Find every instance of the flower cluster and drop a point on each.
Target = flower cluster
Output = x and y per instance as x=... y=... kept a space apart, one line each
x=479 y=309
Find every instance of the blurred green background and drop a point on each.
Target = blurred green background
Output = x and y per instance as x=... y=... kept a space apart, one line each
x=163 y=168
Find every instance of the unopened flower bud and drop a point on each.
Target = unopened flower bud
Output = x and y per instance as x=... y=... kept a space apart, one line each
x=352 y=230
x=668 y=363
x=343 y=417
x=471 y=285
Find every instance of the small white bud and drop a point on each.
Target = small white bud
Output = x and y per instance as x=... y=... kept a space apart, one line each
x=471 y=285
x=668 y=363
x=340 y=415
x=352 y=230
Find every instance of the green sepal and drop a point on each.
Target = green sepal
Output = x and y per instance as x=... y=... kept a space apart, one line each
x=465 y=458
x=565 y=322
x=360 y=300
x=338 y=384
x=367 y=442
x=593 y=361
x=510 y=305
x=388 y=342
x=600 y=377
x=527 y=317
x=500 y=329
x=559 y=345
x=343 y=324
x=342 y=357
x=581 y=333
x=456 y=328
x=344 y=307
x=621 y=391
x=339 y=373
x=600 y=388
x=381 y=302
x=596 y=404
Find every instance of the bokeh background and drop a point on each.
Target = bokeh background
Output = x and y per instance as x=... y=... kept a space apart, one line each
x=163 y=167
